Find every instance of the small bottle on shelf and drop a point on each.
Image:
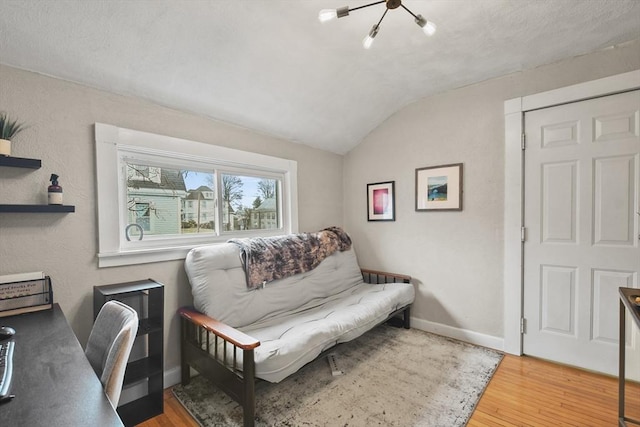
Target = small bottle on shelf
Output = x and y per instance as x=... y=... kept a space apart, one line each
x=55 y=191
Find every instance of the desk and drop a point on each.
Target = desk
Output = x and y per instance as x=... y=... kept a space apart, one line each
x=53 y=382
x=634 y=311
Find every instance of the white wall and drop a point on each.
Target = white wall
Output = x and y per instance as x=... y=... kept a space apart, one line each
x=61 y=117
x=455 y=258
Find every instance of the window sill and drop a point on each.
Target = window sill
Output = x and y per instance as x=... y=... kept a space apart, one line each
x=142 y=256
x=178 y=251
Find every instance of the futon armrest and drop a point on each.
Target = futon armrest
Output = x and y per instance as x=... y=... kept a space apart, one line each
x=226 y=332
x=376 y=277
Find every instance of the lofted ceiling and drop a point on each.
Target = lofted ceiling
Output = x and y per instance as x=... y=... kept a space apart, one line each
x=271 y=66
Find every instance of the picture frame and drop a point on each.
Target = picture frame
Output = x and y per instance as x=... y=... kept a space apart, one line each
x=381 y=201
x=439 y=188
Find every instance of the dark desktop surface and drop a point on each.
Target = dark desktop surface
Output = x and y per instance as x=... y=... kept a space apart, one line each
x=53 y=382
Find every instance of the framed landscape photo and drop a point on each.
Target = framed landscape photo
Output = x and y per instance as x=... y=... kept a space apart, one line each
x=439 y=188
x=381 y=203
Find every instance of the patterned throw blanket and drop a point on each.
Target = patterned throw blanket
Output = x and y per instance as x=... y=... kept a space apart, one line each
x=270 y=258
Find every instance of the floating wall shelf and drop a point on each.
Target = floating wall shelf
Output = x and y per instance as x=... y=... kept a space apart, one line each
x=38 y=208
x=20 y=162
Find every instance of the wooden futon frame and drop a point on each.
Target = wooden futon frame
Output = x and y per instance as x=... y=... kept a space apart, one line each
x=198 y=333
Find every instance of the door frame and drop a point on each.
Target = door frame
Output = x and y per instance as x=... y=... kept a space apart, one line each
x=514 y=111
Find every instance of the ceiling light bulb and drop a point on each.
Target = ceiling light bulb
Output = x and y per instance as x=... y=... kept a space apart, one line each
x=368 y=41
x=327 y=15
x=330 y=14
x=428 y=27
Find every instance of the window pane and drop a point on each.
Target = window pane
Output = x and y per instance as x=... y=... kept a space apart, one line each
x=250 y=203
x=167 y=201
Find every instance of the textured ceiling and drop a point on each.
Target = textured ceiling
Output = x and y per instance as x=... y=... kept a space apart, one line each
x=271 y=66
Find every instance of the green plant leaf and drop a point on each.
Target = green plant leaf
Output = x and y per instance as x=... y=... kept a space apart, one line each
x=8 y=127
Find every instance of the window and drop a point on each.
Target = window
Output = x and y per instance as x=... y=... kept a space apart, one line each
x=160 y=196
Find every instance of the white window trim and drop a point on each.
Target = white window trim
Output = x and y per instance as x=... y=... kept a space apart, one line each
x=112 y=142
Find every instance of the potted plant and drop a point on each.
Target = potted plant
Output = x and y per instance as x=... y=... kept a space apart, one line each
x=8 y=129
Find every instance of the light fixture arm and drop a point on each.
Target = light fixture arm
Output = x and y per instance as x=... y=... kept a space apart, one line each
x=367 y=5
x=382 y=17
x=412 y=14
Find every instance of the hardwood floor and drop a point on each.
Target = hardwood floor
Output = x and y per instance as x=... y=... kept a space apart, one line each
x=523 y=392
x=174 y=414
x=526 y=391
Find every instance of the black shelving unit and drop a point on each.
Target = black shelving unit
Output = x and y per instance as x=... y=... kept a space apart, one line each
x=23 y=162
x=147 y=298
x=20 y=162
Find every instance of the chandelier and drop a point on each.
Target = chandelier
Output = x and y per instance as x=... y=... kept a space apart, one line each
x=328 y=14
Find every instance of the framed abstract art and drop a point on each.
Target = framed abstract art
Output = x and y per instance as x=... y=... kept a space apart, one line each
x=381 y=203
x=439 y=188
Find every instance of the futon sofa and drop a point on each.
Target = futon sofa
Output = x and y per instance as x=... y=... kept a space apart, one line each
x=268 y=322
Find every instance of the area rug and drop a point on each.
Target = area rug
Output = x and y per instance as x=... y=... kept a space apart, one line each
x=390 y=377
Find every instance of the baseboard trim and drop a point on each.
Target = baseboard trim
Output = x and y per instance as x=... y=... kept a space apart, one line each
x=466 y=335
x=172 y=377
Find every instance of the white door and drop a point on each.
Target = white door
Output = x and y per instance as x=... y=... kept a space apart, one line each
x=582 y=198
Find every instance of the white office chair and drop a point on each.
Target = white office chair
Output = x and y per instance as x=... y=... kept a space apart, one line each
x=109 y=346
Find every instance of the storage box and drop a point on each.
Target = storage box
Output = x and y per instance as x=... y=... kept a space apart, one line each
x=24 y=294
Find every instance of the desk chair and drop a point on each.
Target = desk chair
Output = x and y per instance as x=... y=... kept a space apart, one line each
x=109 y=345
